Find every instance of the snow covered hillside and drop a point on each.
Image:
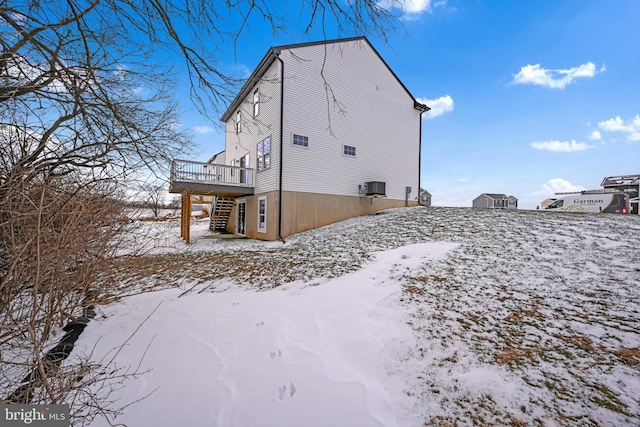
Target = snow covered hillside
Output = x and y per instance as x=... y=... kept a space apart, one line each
x=411 y=317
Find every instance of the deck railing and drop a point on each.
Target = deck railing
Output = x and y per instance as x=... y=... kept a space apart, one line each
x=208 y=173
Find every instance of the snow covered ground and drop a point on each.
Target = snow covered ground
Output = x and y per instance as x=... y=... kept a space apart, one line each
x=411 y=317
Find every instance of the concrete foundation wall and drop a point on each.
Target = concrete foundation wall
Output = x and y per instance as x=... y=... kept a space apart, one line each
x=252 y=216
x=306 y=211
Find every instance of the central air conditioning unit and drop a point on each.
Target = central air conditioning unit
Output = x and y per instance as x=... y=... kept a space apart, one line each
x=375 y=188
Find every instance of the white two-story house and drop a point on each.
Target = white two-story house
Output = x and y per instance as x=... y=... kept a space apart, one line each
x=319 y=133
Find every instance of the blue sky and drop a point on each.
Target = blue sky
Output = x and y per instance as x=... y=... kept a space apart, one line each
x=528 y=97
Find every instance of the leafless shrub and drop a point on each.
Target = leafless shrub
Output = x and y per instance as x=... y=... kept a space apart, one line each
x=85 y=109
x=54 y=234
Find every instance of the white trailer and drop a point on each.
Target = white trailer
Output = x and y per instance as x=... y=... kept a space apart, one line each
x=594 y=201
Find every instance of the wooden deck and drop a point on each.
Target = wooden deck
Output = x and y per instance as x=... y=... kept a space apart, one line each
x=205 y=179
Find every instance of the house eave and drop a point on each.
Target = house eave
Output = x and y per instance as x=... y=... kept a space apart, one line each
x=255 y=77
x=420 y=107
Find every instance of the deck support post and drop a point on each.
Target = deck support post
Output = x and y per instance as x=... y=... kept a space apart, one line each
x=185 y=216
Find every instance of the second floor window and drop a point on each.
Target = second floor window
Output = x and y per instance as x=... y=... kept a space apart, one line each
x=300 y=140
x=263 y=153
x=238 y=122
x=348 y=150
x=256 y=102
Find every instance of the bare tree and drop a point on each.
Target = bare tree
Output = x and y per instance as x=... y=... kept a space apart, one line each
x=153 y=197
x=86 y=104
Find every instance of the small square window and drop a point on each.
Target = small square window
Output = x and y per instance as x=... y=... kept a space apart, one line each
x=300 y=140
x=349 y=150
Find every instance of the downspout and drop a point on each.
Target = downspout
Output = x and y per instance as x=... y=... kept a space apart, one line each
x=420 y=157
x=423 y=109
x=281 y=146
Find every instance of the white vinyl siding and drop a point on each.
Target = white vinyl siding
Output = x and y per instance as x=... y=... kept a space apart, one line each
x=375 y=114
x=256 y=129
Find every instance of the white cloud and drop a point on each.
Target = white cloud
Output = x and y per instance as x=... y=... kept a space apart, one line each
x=631 y=127
x=565 y=146
x=557 y=185
x=139 y=91
x=239 y=71
x=20 y=71
x=438 y=106
x=554 y=79
x=595 y=136
x=410 y=9
x=121 y=72
x=416 y=6
x=202 y=129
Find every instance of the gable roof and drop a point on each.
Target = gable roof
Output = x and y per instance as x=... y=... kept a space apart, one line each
x=274 y=52
x=213 y=157
x=495 y=196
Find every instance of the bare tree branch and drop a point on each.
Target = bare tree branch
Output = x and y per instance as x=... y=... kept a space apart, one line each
x=86 y=107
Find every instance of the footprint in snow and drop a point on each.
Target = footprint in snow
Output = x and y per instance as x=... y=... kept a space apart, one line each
x=282 y=390
x=260 y=324
x=273 y=354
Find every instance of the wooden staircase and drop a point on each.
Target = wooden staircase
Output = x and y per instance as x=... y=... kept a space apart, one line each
x=220 y=211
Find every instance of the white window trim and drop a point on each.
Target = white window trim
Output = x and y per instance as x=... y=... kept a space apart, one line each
x=304 y=147
x=239 y=202
x=238 y=121
x=262 y=157
x=246 y=166
x=349 y=155
x=264 y=229
x=256 y=103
